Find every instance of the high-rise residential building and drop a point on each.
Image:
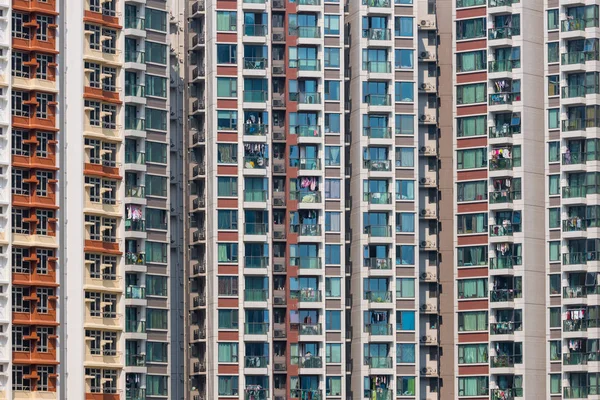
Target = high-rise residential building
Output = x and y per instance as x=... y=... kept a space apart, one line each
x=299 y=199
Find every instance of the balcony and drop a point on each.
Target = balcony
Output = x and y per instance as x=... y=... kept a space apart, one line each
x=378 y=231
x=307 y=361
x=503 y=295
x=570 y=192
x=378 y=263
x=255 y=129
x=307 y=98
x=135 y=258
x=501 y=230
x=506 y=394
x=379 y=329
x=306 y=295
x=379 y=362
x=306 y=262
x=135 y=192
x=135 y=90
x=504 y=262
x=306 y=197
x=504 y=196
x=578 y=24
x=379 y=296
x=378 y=197
x=575 y=325
x=135 y=124
x=135 y=394
x=256 y=228
x=377 y=132
x=575 y=392
x=133 y=326
x=306 y=229
x=133 y=22
x=575 y=359
x=496 y=132
x=255 y=96
x=579 y=258
x=135 y=360
x=505 y=98
x=578 y=224
x=383 y=394
x=378 y=165
x=257 y=30
x=255 y=294
x=135 y=57
x=256 y=328
x=135 y=225
x=135 y=157
x=306 y=32
x=306 y=394
x=305 y=64
x=256 y=394
x=306 y=164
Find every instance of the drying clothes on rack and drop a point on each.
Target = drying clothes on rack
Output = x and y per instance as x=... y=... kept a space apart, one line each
x=134 y=212
x=576 y=345
x=378 y=317
x=311 y=183
x=253 y=392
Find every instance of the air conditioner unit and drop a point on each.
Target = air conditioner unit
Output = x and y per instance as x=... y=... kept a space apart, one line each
x=279 y=235
x=279 y=301
x=280 y=367
x=424 y=181
x=428 y=307
x=426 y=86
x=278 y=37
x=278 y=103
x=278 y=70
x=279 y=168
x=428 y=276
x=278 y=268
x=278 y=202
x=424 y=54
x=279 y=333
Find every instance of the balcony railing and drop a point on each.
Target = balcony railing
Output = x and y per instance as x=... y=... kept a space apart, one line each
x=135 y=191
x=503 y=65
x=310 y=329
x=501 y=230
x=575 y=325
x=377 y=165
x=377 y=132
x=135 y=292
x=306 y=262
x=496 y=132
x=575 y=359
x=135 y=157
x=255 y=63
x=306 y=197
x=504 y=262
x=379 y=362
x=255 y=96
x=256 y=228
x=504 y=328
x=133 y=22
x=497 y=99
x=377 y=3
x=256 y=261
x=378 y=99
x=306 y=394
x=137 y=124
x=378 y=230
x=135 y=394
x=307 y=164
x=306 y=295
x=378 y=66
x=135 y=56
x=506 y=394
x=135 y=225
x=379 y=296
x=578 y=224
x=135 y=90
x=379 y=329
x=378 y=197
x=256 y=294
x=255 y=129
x=503 y=33
x=499 y=295
x=256 y=394
x=580 y=258
x=504 y=196
x=579 y=57
x=306 y=130
x=305 y=64
x=308 y=32
x=575 y=392
x=307 y=361
x=378 y=263
x=377 y=34
x=256 y=361
x=255 y=195
x=133 y=326
x=255 y=30
x=578 y=24
x=381 y=394
x=135 y=360
x=306 y=229
x=497 y=3
x=256 y=328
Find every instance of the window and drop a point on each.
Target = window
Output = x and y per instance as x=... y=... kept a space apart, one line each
x=472 y=255
x=332 y=156
x=553 y=50
x=471 y=93
x=333 y=353
x=405 y=353
x=405 y=255
x=405 y=157
x=332 y=123
x=157 y=352
x=473 y=386
x=19 y=265
x=471 y=223
x=156 y=285
x=471 y=158
x=554 y=184
x=109 y=41
x=405 y=288
x=554 y=284
x=156 y=119
x=156 y=53
x=43 y=139
x=553 y=85
x=472 y=288
x=403 y=26
x=555 y=350
x=157 y=319
x=333 y=287
x=156 y=152
x=228 y=352
x=332 y=24
x=333 y=221
x=471 y=191
x=228 y=285
x=227 y=120
x=554 y=218
x=555 y=317
x=18 y=59
x=333 y=254
x=471 y=126
x=227 y=21
x=156 y=86
x=156 y=20
x=226 y=87
x=404 y=59
x=157 y=385
x=553 y=118
x=405 y=190
x=227 y=153
x=43 y=295
x=553 y=19
x=555 y=383
x=19 y=30
x=332 y=90
x=554 y=250
x=228 y=319
x=19 y=186
x=332 y=188
x=43 y=61
x=18 y=99
x=333 y=384
x=226 y=54
x=18 y=223
x=404 y=92
x=228 y=385
x=405 y=222
x=553 y=151
x=333 y=320
x=44 y=334
x=470 y=61
x=405 y=384
x=227 y=219
x=471 y=28
x=18 y=338
x=405 y=124
x=156 y=252
x=18 y=376
x=471 y=321
x=473 y=353
x=19 y=304
x=156 y=185
x=228 y=253
x=44 y=178
x=227 y=186
x=405 y=320
x=332 y=57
